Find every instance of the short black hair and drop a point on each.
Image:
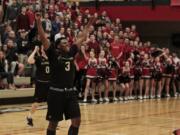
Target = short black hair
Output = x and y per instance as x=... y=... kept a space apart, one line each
x=58 y=41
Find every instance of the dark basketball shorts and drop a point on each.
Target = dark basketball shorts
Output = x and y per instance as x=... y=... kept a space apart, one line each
x=41 y=91
x=62 y=104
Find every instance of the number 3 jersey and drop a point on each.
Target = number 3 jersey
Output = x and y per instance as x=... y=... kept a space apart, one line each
x=62 y=67
x=42 y=69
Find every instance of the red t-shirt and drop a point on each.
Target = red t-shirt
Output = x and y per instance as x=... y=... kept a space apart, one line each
x=116 y=49
x=31 y=17
x=81 y=61
x=95 y=46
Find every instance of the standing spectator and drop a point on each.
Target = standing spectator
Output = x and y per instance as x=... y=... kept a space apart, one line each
x=56 y=25
x=4 y=35
x=46 y=23
x=60 y=34
x=12 y=13
x=1 y=12
x=4 y=7
x=23 y=20
x=80 y=63
x=51 y=12
x=30 y=15
x=92 y=44
x=22 y=46
x=115 y=48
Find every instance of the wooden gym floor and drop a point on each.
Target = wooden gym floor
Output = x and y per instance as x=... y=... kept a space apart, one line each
x=149 y=117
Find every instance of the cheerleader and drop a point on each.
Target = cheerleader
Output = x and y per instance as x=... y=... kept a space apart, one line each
x=175 y=75
x=124 y=80
x=80 y=62
x=90 y=75
x=102 y=76
x=137 y=76
x=156 y=76
x=145 y=76
x=131 y=85
x=178 y=75
x=113 y=66
x=168 y=72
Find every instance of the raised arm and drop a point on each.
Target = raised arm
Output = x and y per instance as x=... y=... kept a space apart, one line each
x=31 y=59
x=42 y=34
x=83 y=35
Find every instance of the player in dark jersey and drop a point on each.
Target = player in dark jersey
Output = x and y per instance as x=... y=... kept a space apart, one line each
x=62 y=98
x=39 y=58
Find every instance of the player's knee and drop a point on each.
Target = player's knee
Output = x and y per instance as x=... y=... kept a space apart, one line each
x=76 y=122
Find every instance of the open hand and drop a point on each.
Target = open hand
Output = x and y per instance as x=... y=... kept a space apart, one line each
x=36 y=48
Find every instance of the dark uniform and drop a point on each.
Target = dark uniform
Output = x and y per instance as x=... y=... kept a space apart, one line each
x=62 y=97
x=124 y=77
x=42 y=79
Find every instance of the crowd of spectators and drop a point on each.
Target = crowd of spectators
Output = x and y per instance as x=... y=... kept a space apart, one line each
x=66 y=19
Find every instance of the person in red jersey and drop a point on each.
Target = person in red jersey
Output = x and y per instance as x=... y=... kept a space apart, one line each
x=174 y=81
x=133 y=30
x=90 y=75
x=124 y=80
x=118 y=23
x=92 y=44
x=168 y=73
x=103 y=75
x=156 y=78
x=80 y=62
x=115 y=48
x=23 y=20
x=131 y=84
x=125 y=49
x=146 y=74
x=31 y=16
x=178 y=77
x=113 y=67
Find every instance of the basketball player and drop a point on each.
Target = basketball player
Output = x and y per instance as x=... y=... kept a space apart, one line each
x=39 y=58
x=62 y=97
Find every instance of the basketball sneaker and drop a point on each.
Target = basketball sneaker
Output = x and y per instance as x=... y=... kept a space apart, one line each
x=29 y=121
x=106 y=99
x=100 y=100
x=115 y=99
x=93 y=100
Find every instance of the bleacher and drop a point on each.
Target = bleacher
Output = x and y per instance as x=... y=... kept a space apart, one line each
x=18 y=81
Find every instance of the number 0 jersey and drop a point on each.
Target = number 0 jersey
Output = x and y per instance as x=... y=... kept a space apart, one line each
x=42 y=69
